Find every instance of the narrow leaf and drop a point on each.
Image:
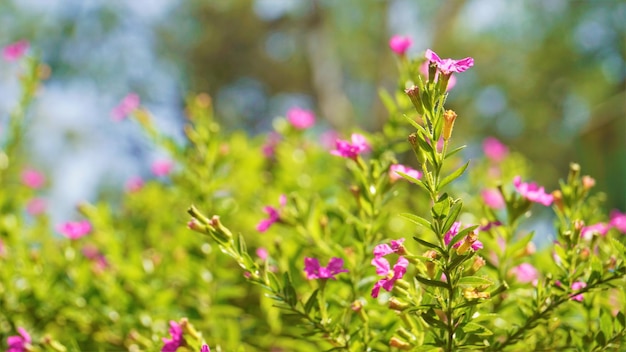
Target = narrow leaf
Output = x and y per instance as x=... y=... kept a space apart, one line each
x=454 y=151
x=474 y=281
x=453 y=176
x=428 y=244
x=429 y=282
x=416 y=219
x=310 y=303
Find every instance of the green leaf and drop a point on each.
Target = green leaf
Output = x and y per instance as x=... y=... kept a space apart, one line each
x=387 y=100
x=310 y=303
x=453 y=176
x=429 y=282
x=601 y=338
x=454 y=213
x=413 y=122
x=619 y=246
x=476 y=329
x=512 y=251
x=407 y=177
x=416 y=219
x=441 y=208
x=428 y=244
x=474 y=281
x=454 y=151
x=621 y=319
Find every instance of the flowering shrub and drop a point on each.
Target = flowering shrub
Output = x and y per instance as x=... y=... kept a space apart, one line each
x=423 y=252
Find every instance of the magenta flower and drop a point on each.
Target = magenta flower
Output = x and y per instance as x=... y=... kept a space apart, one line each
x=494 y=149
x=382 y=250
x=176 y=338
x=205 y=348
x=447 y=66
x=618 y=220
x=346 y=149
x=314 y=271
x=74 y=230
x=19 y=343
x=92 y=253
x=162 y=167
x=424 y=72
x=328 y=138
x=492 y=198
x=261 y=252
x=588 y=232
x=33 y=178
x=532 y=192
x=36 y=206
x=394 y=176
x=472 y=238
x=128 y=104
x=400 y=44
x=390 y=277
x=14 y=51
x=577 y=286
x=273 y=215
x=525 y=273
x=134 y=184
x=300 y=118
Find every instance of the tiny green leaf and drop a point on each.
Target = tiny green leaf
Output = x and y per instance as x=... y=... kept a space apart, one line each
x=474 y=281
x=453 y=176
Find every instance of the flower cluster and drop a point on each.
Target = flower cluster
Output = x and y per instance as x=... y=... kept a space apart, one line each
x=314 y=270
x=175 y=340
x=351 y=150
x=75 y=229
x=532 y=192
x=19 y=343
x=383 y=267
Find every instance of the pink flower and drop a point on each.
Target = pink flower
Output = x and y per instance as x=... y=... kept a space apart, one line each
x=400 y=44
x=447 y=66
x=588 y=232
x=525 y=273
x=492 y=198
x=161 y=168
x=383 y=249
x=346 y=149
x=471 y=238
x=128 y=104
x=424 y=72
x=261 y=253
x=36 y=206
x=134 y=184
x=301 y=118
x=273 y=215
x=314 y=271
x=494 y=149
x=205 y=348
x=394 y=176
x=269 y=148
x=176 y=340
x=328 y=138
x=19 y=343
x=92 y=253
x=618 y=220
x=33 y=178
x=578 y=285
x=14 y=51
x=390 y=277
x=532 y=192
x=74 y=230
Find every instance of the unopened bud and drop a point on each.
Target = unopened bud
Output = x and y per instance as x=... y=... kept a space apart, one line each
x=399 y=344
x=478 y=263
x=584 y=253
x=473 y=293
x=396 y=304
x=557 y=196
x=430 y=265
x=221 y=232
x=588 y=182
x=414 y=95
x=448 y=123
x=467 y=243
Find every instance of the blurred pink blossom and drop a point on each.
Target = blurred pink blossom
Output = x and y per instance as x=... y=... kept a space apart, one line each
x=494 y=149
x=493 y=198
x=33 y=178
x=400 y=44
x=175 y=340
x=577 y=286
x=346 y=149
x=128 y=104
x=273 y=215
x=525 y=273
x=269 y=148
x=394 y=176
x=447 y=66
x=618 y=220
x=314 y=270
x=92 y=253
x=205 y=348
x=328 y=138
x=14 y=51
x=384 y=249
x=36 y=206
x=301 y=118
x=74 y=230
x=162 y=167
x=261 y=252
x=588 y=232
x=532 y=192
x=19 y=343
x=134 y=184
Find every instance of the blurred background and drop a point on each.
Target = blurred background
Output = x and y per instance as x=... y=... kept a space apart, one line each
x=549 y=79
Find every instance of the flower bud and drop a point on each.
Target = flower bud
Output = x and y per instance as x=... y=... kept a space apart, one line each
x=396 y=304
x=467 y=243
x=588 y=182
x=220 y=231
x=478 y=263
x=448 y=124
x=557 y=197
x=430 y=265
x=414 y=95
x=399 y=344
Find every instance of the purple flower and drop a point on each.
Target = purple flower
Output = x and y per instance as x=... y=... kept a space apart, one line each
x=346 y=149
x=400 y=44
x=129 y=104
x=14 y=51
x=525 y=273
x=300 y=118
x=394 y=176
x=74 y=230
x=390 y=277
x=18 y=343
x=273 y=215
x=383 y=249
x=618 y=220
x=205 y=348
x=494 y=149
x=176 y=340
x=492 y=198
x=588 y=232
x=578 y=285
x=33 y=178
x=447 y=66
x=262 y=253
x=532 y=192
x=424 y=72
x=470 y=240
x=314 y=271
